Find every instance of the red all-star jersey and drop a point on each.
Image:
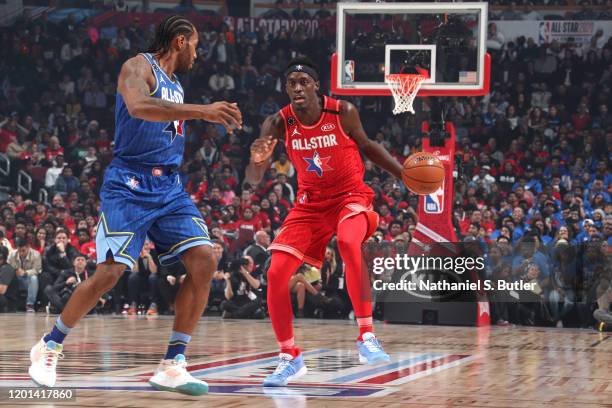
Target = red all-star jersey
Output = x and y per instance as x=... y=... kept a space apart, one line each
x=326 y=159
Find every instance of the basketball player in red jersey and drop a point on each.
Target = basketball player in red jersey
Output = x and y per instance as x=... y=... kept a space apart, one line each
x=323 y=138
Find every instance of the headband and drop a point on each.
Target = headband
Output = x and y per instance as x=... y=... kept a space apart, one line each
x=302 y=68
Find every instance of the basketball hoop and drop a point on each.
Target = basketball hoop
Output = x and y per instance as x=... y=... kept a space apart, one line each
x=404 y=88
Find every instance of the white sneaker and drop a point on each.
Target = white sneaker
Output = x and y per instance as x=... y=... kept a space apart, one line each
x=172 y=375
x=44 y=358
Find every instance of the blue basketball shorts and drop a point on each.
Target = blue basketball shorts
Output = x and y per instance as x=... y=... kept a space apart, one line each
x=135 y=205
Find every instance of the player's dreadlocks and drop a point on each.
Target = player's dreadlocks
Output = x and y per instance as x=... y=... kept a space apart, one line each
x=167 y=30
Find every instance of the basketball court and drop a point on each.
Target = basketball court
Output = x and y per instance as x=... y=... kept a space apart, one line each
x=108 y=361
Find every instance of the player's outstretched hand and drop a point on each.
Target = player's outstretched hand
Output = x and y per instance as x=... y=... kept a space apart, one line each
x=262 y=148
x=224 y=113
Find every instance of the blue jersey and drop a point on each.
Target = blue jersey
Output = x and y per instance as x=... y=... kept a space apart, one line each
x=150 y=143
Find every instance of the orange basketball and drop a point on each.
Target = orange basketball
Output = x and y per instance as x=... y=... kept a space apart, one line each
x=423 y=173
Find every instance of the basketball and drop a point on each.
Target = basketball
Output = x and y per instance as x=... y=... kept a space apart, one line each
x=423 y=173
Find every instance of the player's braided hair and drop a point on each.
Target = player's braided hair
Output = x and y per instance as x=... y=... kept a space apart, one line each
x=167 y=30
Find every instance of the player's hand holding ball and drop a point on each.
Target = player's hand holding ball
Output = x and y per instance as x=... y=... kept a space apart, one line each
x=423 y=173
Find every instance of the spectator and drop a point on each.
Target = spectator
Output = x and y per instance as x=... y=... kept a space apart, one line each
x=532 y=183
x=283 y=165
x=5 y=242
x=54 y=172
x=66 y=183
x=40 y=243
x=323 y=11
x=334 y=285
x=217 y=286
x=142 y=281
x=607 y=229
x=67 y=85
x=221 y=81
x=19 y=232
x=268 y=107
x=540 y=98
x=85 y=245
x=223 y=52
x=9 y=286
x=170 y=280
x=259 y=250
x=300 y=286
x=28 y=266
x=209 y=153
x=484 y=179
x=121 y=42
x=94 y=98
x=510 y=13
x=564 y=280
x=277 y=12
x=519 y=227
x=300 y=13
x=70 y=50
x=54 y=150
x=495 y=39
x=121 y=5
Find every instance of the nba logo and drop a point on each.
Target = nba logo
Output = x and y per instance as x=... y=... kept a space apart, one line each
x=349 y=71
x=434 y=202
x=545 y=32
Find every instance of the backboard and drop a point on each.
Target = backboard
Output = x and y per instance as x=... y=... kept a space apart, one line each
x=448 y=40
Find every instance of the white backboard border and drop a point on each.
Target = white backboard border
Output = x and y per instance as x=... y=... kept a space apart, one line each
x=398 y=8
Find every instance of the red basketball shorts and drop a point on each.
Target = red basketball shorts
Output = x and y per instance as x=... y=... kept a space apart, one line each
x=311 y=223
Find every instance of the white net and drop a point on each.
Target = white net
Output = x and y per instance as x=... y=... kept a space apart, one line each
x=404 y=88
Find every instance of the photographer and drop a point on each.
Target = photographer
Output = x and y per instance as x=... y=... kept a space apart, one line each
x=66 y=283
x=242 y=292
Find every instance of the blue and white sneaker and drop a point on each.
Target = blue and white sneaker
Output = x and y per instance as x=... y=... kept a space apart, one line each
x=172 y=375
x=370 y=350
x=288 y=369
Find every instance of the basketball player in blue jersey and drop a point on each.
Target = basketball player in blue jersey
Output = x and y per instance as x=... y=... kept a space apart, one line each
x=142 y=195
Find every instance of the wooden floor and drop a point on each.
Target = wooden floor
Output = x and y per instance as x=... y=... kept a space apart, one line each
x=109 y=359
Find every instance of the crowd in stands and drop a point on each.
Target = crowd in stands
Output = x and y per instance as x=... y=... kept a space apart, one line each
x=533 y=161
